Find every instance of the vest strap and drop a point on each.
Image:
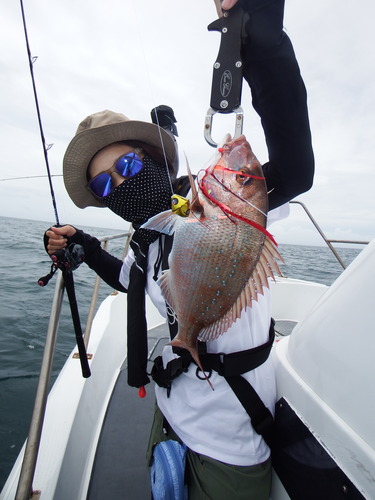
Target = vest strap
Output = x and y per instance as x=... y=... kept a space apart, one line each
x=231 y=367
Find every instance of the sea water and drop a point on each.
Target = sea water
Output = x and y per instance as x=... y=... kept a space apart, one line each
x=25 y=309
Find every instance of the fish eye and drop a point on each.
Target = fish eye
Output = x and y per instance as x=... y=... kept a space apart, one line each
x=243 y=179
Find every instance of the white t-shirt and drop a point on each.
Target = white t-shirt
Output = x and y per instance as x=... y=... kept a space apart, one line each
x=214 y=423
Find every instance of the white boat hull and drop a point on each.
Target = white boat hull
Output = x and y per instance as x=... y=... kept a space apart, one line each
x=324 y=371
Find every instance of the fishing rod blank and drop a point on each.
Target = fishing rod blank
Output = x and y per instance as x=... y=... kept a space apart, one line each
x=45 y=147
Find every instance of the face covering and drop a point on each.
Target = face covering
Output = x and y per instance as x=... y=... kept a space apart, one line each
x=143 y=196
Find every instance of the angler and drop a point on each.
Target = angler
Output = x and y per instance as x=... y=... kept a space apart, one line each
x=129 y=167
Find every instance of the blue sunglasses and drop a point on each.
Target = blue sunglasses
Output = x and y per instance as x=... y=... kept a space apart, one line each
x=127 y=166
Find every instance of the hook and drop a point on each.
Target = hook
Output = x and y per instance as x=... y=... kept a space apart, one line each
x=208 y=125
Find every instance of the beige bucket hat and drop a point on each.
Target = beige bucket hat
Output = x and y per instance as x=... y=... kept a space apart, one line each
x=98 y=131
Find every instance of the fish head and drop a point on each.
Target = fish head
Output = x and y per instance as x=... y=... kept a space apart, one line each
x=235 y=179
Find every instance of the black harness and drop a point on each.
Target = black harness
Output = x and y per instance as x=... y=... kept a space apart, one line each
x=231 y=367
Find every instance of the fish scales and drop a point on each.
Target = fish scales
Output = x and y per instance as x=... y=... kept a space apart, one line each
x=222 y=255
x=213 y=269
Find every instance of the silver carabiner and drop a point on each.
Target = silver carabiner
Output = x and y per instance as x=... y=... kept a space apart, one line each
x=208 y=125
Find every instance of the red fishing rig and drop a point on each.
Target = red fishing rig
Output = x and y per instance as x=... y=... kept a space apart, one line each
x=225 y=209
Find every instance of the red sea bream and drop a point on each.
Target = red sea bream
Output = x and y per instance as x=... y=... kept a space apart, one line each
x=222 y=255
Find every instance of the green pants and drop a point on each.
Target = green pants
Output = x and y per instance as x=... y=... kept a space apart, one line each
x=209 y=479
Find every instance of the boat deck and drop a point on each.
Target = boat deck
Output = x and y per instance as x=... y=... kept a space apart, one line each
x=120 y=469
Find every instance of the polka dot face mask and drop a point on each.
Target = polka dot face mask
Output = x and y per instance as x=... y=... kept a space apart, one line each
x=142 y=196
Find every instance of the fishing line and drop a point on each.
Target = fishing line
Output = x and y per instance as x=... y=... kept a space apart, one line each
x=241 y=174
x=152 y=94
x=29 y=177
x=45 y=146
x=227 y=211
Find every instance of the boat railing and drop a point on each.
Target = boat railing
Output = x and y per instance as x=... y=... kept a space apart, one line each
x=24 y=488
x=104 y=240
x=326 y=240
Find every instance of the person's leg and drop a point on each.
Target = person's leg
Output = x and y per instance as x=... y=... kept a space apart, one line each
x=209 y=479
x=279 y=97
x=160 y=431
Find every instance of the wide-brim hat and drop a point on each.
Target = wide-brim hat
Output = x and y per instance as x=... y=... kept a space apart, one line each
x=98 y=131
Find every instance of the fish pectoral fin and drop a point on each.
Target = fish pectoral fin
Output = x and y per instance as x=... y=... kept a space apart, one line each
x=163 y=223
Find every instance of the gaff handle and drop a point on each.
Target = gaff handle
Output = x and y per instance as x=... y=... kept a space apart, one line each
x=226 y=88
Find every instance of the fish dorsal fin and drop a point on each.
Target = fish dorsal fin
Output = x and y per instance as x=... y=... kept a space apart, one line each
x=164 y=222
x=193 y=187
x=196 y=205
x=266 y=268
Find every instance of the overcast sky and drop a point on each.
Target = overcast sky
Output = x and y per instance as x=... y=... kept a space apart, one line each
x=131 y=55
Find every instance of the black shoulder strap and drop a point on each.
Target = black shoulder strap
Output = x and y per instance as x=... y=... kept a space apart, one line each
x=260 y=416
x=136 y=315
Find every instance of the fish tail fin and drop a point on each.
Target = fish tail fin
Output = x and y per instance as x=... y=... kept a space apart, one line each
x=198 y=361
x=176 y=342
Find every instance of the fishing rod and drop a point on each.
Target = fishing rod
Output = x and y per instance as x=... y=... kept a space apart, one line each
x=45 y=147
x=72 y=256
